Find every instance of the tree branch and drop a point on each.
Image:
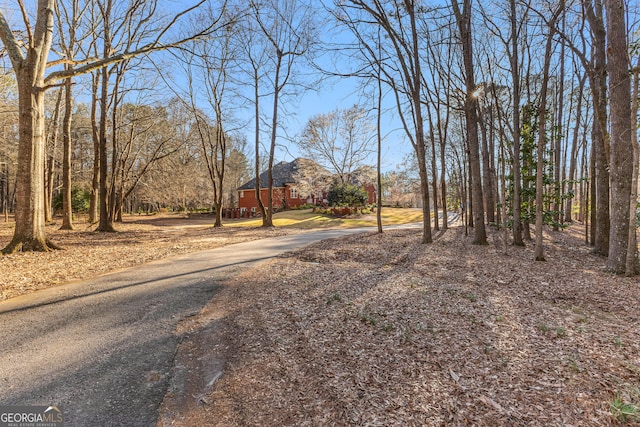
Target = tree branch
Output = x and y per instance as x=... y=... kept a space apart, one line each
x=10 y=43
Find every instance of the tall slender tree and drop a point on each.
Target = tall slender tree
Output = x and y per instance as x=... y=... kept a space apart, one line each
x=288 y=27
x=463 y=18
x=402 y=70
x=542 y=121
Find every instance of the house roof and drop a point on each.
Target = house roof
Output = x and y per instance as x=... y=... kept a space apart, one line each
x=283 y=173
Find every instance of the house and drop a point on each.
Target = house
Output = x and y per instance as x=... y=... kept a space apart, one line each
x=286 y=194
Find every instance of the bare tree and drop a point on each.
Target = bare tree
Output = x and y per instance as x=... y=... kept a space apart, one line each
x=69 y=18
x=287 y=25
x=514 y=59
x=401 y=67
x=253 y=62
x=596 y=70
x=439 y=89
x=209 y=69
x=573 y=158
x=30 y=60
x=145 y=135
x=340 y=140
x=463 y=18
x=542 y=120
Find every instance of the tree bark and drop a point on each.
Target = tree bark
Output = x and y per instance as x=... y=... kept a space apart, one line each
x=517 y=174
x=622 y=151
x=52 y=135
x=487 y=179
x=434 y=177
x=598 y=82
x=557 y=150
x=632 y=250
x=29 y=234
x=67 y=207
x=263 y=212
x=95 y=134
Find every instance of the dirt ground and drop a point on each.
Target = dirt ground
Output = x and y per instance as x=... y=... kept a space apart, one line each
x=380 y=330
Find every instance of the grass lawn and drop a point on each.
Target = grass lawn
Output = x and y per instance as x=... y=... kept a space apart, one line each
x=306 y=219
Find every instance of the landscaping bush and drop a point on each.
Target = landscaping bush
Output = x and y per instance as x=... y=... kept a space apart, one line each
x=347 y=195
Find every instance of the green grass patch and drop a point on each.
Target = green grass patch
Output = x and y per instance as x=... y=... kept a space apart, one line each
x=625 y=410
x=307 y=219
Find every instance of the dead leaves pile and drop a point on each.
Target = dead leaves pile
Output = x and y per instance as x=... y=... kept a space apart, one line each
x=380 y=330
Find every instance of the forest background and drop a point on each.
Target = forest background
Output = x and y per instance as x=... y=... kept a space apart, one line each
x=519 y=112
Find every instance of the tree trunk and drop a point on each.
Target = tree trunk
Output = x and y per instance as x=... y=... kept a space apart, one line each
x=443 y=184
x=106 y=219
x=67 y=207
x=256 y=94
x=29 y=233
x=557 y=150
x=95 y=133
x=487 y=181
x=52 y=135
x=267 y=220
x=219 y=168
x=379 y=148
x=573 y=161
x=517 y=174
x=424 y=189
x=105 y=222
x=419 y=127
x=601 y=194
x=434 y=179
x=622 y=150
x=598 y=82
x=592 y=190
x=542 y=113
x=632 y=250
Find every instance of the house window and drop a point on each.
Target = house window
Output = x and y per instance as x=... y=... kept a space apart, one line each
x=242 y=194
x=293 y=193
x=253 y=210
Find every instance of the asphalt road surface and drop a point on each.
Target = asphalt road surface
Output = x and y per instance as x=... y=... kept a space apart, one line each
x=102 y=349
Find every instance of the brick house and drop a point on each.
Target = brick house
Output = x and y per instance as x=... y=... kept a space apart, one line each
x=285 y=193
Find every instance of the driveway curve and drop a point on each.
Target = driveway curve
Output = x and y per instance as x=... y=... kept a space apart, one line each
x=102 y=349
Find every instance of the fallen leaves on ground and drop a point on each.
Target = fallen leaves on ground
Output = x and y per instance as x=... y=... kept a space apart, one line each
x=87 y=253
x=380 y=330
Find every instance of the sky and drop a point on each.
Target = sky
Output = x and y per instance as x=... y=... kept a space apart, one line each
x=342 y=94
x=334 y=93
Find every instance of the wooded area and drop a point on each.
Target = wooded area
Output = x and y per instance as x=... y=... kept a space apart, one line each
x=518 y=113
